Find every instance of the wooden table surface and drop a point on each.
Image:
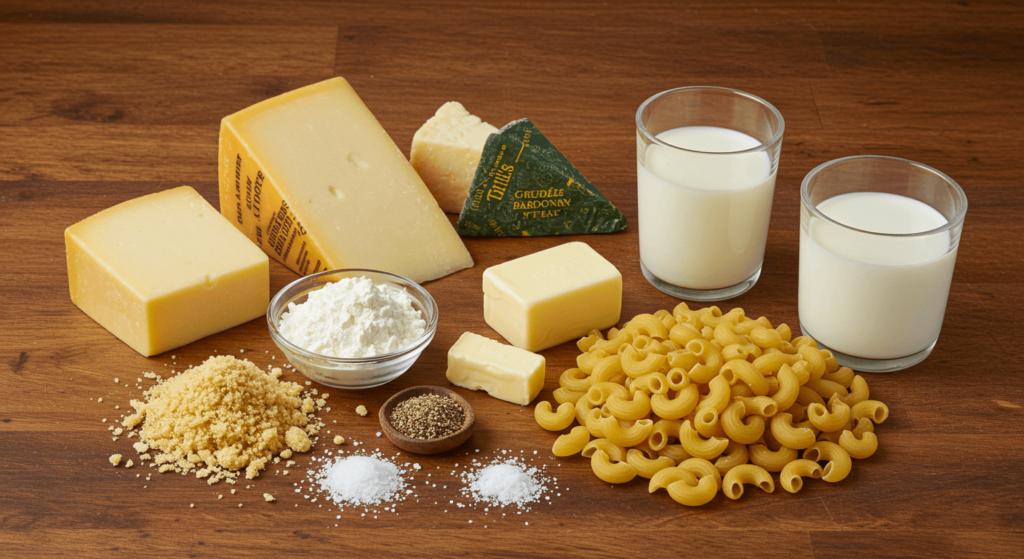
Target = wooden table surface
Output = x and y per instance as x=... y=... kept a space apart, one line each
x=103 y=101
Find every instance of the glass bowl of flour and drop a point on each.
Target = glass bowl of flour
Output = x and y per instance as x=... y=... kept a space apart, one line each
x=352 y=328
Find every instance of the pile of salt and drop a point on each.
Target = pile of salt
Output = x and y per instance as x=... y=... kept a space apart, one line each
x=361 y=480
x=505 y=483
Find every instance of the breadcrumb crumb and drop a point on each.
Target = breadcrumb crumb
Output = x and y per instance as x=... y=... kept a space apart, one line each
x=115 y=459
x=361 y=410
x=339 y=440
x=268 y=498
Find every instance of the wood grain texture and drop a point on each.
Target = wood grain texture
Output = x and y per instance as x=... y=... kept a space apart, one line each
x=101 y=102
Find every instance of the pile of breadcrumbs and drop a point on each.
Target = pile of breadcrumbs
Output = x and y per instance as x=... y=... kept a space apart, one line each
x=224 y=416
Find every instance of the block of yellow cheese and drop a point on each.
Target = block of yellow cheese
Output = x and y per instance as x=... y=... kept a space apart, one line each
x=505 y=372
x=552 y=296
x=164 y=270
x=313 y=179
x=446 y=152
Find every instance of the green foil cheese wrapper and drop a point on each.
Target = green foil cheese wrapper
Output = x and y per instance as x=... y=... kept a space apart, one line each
x=525 y=187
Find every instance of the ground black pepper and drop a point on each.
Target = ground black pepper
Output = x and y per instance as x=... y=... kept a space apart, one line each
x=428 y=417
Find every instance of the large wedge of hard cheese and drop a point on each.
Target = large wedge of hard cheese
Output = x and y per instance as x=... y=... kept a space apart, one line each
x=312 y=178
x=164 y=270
x=446 y=151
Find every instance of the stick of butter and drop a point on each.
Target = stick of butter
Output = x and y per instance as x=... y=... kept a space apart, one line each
x=505 y=372
x=552 y=296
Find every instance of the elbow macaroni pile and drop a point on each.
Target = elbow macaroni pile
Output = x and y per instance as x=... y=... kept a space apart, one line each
x=687 y=397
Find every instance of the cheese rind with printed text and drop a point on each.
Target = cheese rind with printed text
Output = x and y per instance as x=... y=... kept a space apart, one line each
x=313 y=179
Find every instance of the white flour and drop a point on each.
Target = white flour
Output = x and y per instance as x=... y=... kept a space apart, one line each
x=354 y=317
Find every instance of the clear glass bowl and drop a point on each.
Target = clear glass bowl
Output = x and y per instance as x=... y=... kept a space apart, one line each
x=357 y=372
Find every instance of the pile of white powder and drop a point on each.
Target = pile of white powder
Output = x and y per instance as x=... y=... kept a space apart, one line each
x=508 y=482
x=360 y=480
x=354 y=317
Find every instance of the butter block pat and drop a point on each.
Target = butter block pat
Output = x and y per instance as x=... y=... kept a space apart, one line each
x=552 y=296
x=505 y=372
x=312 y=178
x=165 y=270
x=446 y=151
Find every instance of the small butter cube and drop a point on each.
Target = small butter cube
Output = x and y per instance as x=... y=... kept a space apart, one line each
x=165 y=270
x=552 y=296
x=446 y=151
x=507 y=373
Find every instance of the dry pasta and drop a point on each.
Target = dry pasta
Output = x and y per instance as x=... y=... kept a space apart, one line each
x=689 y=396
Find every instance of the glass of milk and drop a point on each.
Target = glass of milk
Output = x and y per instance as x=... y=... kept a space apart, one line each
x=878 y=240
x=706 y=164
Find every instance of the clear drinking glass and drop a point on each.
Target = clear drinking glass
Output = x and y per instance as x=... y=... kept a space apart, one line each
x=878 y=241
x=706 y=164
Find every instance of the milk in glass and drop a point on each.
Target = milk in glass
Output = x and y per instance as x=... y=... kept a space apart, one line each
x=869 y=295
x=703 y=213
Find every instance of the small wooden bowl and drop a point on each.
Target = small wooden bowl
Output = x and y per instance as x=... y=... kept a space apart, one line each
x=419 y=446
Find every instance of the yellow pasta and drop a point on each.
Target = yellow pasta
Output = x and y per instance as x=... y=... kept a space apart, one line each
x=814 y=359
x=740 y=427
x=792 y=475
x=826 y=388
x=587 y=361
x=683 y=334
x=566 y=396
x=594 y=423
x=674 y=451
x=842 y=375
x=613 y=342
x=648 y=325
x=771 y=460
x=666 y=318
x=839 y=463
x=859 y=391
x=874 y=410
x=607 y=369
x=693 y=495
x=554 y=421
x=654 y=383
x=583 y=407
x=638 y=362
x=614 y=451
x=680 y=405
x=699 y=447
x=710 y=319
x=664 y=429
x=709 y=361
x=584 y=344
x=751 y=474
x=575 y=380
x=741 y=371
x=735 y=455
x=644 y=466
x=599 y=393
x=789 y=388
x=626 y=436
x=667 y=476
x=572 y=442
x=790 y=435
x=832 y=419
x=718 y=397
x=637 y=407
x=608 y=471
x=766 y=338
x=670 y=392
x=725 y=334
x=858 y=447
